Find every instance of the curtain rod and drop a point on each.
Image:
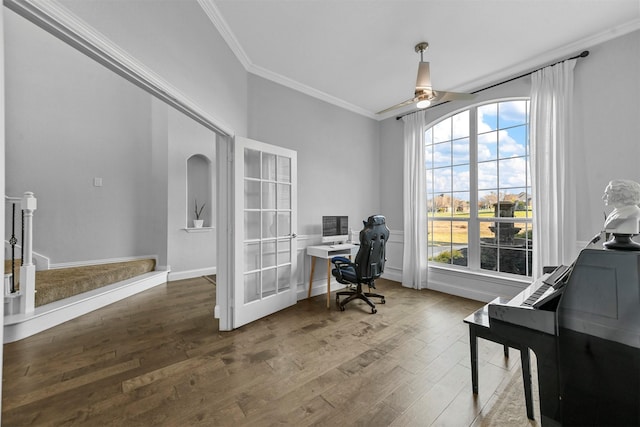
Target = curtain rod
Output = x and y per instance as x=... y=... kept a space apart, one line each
x=583 y=54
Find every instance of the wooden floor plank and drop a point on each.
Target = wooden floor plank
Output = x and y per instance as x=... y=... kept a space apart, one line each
x=157 y=358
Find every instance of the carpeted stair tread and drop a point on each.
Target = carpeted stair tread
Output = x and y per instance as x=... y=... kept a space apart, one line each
x=56 y=284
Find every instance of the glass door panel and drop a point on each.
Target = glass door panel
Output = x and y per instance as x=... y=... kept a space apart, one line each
x=267 y=259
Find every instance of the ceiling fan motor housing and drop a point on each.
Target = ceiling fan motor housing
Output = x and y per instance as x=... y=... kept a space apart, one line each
x=421 y=47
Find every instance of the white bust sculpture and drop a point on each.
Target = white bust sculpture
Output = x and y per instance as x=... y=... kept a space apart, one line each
x=624 y=196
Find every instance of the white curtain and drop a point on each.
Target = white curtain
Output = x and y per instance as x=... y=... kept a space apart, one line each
x=414 y=260
x=554 y=208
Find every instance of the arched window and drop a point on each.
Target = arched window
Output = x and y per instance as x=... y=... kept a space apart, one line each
x=479 y=188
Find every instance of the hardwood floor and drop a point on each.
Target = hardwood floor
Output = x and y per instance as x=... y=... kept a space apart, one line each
x=157 y=358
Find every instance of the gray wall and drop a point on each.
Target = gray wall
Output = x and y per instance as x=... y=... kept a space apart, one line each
x=70 y=120
x=179 y=43
x=339 y=164
x=188 y=251
x=607 y=125
x=391 y=154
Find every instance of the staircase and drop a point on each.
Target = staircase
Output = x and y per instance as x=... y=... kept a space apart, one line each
x=38 y=300
x=57 y=284
x=22 y=325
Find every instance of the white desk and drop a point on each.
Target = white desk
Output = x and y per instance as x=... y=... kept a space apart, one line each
x=327 y=252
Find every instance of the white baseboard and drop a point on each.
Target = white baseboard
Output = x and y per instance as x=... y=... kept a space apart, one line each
x=394 y=274
x=478 y=287
x=318 y=287
x=189 y=274
x=19 y=326
x=100 y=261
x=464 y=292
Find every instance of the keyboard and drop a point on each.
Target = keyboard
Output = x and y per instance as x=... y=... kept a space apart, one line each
x=342 y=246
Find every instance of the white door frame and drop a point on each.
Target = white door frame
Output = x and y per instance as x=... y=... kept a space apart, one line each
x=224 y=225
x=226 y=217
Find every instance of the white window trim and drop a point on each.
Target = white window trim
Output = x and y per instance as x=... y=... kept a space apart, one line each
x=473 y=266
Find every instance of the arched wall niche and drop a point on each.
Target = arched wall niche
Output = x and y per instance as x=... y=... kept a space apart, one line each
x=199 y=190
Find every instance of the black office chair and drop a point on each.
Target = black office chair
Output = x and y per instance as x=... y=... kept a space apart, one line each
x=368 y=265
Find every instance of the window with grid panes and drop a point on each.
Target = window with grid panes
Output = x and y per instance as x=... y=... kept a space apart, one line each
x=479 y=189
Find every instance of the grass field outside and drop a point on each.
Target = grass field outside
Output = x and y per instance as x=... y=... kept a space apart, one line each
x=449 y=241
x=445 y=233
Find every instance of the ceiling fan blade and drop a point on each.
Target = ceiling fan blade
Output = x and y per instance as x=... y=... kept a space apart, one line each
x=425 y=95
x=442 y=96
x=424 y=77
x=402 y=104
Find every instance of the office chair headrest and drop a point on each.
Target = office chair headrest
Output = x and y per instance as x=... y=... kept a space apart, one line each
x=374 y=220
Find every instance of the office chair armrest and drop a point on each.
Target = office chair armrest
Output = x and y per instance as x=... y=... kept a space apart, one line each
x=340 y=260
x=341 y=263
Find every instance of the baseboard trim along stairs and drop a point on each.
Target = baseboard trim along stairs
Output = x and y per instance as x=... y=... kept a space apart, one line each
x=19 y=326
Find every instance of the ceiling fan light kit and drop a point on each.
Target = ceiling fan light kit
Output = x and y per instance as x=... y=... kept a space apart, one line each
x=424 y=103
x=424 y=94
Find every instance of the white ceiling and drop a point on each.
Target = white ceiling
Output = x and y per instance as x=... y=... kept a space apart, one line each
x=359 y=54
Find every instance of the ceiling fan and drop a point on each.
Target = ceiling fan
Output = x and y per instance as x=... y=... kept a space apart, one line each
x=425 y=95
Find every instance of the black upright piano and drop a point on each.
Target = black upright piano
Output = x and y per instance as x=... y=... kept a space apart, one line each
x=583 y=323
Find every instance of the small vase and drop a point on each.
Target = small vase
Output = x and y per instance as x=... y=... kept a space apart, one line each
x=197 y=223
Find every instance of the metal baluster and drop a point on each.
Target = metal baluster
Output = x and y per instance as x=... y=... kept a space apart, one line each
x=13 y=242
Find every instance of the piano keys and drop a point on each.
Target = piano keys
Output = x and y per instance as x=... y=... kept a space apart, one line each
x=535 y=306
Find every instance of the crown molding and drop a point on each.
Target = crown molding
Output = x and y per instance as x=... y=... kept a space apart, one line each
x=533 y=63
x=214 y=15
x=62 y=23
x=307 y=90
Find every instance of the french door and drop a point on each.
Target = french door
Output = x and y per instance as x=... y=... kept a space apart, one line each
x=264 y=229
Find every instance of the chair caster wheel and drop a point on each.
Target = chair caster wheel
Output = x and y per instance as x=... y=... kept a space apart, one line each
x=383 y=302
x=341 y=308
x=374 y=311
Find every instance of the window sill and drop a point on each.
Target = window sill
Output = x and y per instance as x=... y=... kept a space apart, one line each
x=198 y=230
x=486 y=275
x=474 y=285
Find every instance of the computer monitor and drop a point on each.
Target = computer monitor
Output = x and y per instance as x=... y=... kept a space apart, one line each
x=335 y=229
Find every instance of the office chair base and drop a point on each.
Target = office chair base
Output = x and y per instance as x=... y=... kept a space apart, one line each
x=364 y=296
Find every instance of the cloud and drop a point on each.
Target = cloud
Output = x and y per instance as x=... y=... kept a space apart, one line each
x=441 y=180
x=440 y=154
x=509 y=146
x=513 y=112
x=487 y=175
x=500 y=153
x=512 y=172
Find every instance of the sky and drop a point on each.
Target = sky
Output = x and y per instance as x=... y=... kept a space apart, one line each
x=502 y=136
